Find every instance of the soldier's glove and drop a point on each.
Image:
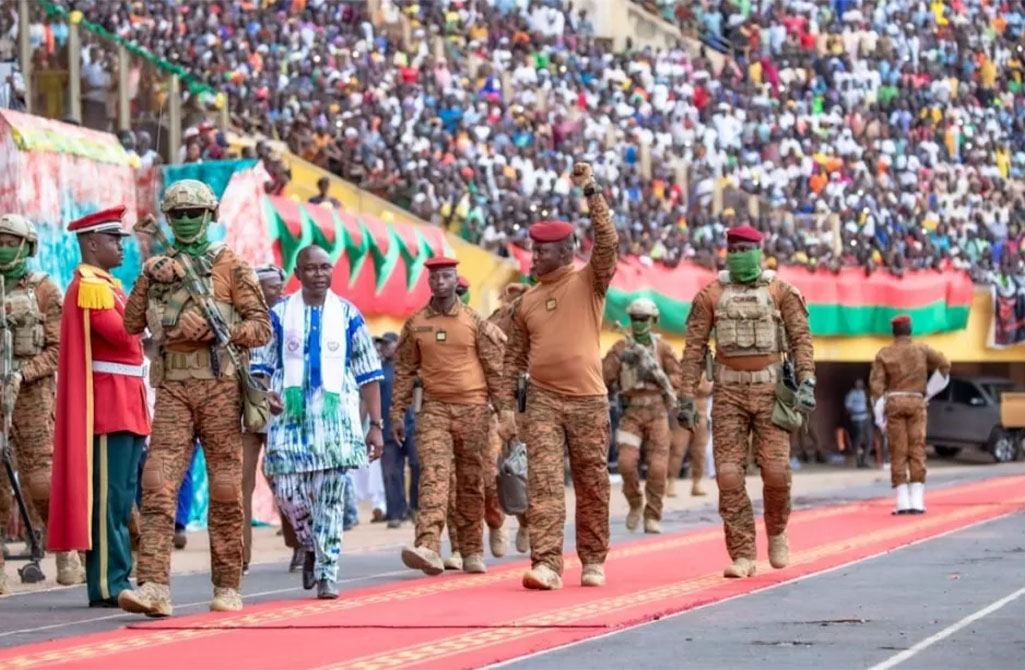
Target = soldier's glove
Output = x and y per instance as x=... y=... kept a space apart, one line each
x=507 y=424
x=192 y=326
x=163 y=269
x=806 y=395
x=687 y=412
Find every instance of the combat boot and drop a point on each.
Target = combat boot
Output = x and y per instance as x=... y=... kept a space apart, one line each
x=499 y=542
x=454 y=562
x=779 y=551
x=633 y=517
x=4 y=587
x=916 y=498
x=474 y=564
x=741 y=567
x=593 y=574
x=69 y=568
x=652 y=526
x=151 y=599
x=671 y=488
x=697 y=491
x=226 y=600
x=522 y=539
x=422 y=558
x=541 y=578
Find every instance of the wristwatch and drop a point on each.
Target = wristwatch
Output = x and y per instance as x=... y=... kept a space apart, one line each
x=377 y=424
x=592 y=188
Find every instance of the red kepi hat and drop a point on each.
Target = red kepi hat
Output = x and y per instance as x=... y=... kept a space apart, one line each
x=440 y=262
x=105 y=221
x=901 y=319
x=462 y=282
x=550 y=231
x=743 y=234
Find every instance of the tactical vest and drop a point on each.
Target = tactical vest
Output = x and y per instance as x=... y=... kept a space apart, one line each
x=747 y=320
x=25 y=318
x=632 y=375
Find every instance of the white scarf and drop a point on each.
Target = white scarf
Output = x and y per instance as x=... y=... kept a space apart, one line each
x=333 y=329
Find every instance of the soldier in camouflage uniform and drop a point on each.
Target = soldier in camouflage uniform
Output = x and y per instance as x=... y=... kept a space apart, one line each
x=457 y=356
x=646 y=371
x=554 y=338
x=695 y=441
x=33 y=311
x=758 y=319
x=198 y=394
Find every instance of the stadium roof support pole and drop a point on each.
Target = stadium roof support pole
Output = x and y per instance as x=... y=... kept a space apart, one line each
x=174 y=120
x=124 y=110
x=25 y=52
x=74 y=72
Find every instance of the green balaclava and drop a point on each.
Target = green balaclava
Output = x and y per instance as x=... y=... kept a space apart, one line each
x=190 y=233
x=464 y=297
x=744 y=266
x=641 y=330
x=14 y=261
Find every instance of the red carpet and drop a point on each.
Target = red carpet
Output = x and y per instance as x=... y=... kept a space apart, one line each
x=462 y=621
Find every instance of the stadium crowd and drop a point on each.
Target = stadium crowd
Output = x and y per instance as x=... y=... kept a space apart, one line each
x=879 y=134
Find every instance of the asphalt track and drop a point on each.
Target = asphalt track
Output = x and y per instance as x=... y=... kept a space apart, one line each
x=856 y=616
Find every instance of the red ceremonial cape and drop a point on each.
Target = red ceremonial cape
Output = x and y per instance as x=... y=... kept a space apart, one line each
x=70 y=527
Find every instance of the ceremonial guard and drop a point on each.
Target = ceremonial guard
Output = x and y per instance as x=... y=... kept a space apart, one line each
x=647 y=373
x=102 y=415
x=554 y=340
x=764 y=385
x=900 y=375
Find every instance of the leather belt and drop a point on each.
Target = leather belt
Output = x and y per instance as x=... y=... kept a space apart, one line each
x=123 y=369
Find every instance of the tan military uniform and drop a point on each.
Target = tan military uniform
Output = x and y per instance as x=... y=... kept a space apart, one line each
x=645 y=421
x=754 y=324
x=900 y=373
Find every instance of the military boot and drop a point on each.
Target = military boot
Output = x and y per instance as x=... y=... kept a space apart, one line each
x=633 y=518
x=671 y=487
x=779 y=551
x=69 y=568
x=151 y=599
x=696 y=490
x=522 y=539
x=652 y=526
x=422 y=558
x=499 y=542
x=4 y=587
x=541 y=578
x=474 y=564
x=454 y=562
x=593 y=574
x=226 y=600
x=741 y=567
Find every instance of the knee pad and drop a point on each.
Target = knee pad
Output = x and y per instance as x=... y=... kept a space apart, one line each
x=38 y=485
x=627 y=439
x=153 y=478
x=729 y=477
x=225 y=489
x=776 y=476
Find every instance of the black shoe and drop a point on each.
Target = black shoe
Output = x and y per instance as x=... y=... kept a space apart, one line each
x=308 y=564
x=245 y=569
x=327 y=589
x=394 y=523
x=297 y=560
x=180 y=539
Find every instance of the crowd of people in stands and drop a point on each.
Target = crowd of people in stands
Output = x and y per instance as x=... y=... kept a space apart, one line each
x=875 y=133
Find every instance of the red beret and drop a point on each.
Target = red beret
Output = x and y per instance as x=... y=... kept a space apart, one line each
x=743 y=234
x=104 y=221
x=902 y=319
x=463 y=282
x=439 y=262
x=550 y=231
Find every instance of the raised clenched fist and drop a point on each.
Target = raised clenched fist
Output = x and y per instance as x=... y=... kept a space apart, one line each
x=582 y=174
x=163 y=269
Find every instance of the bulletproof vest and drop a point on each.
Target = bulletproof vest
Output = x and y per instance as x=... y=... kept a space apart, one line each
x=25 y=318
x=747 y=320
x=632 y=374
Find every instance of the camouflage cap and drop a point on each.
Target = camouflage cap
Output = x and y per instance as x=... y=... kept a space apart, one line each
x=19 y=226
x=188 y=194
x=643 y=307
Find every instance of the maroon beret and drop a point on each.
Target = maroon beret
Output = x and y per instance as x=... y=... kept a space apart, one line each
x=440 y=262
x=105 y=221
x=550 y=231
x=463 y=282
x=743 y=234
x=902 y=319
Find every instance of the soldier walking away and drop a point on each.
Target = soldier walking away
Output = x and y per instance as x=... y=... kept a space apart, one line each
x=33 y=309
x=764 y=381
x=647 y=373
x=322 y=361
x=900 y=374
x=695 y=442
x=96 y=454
x=554 y=339
x=198 y=391
x=856 y=404
x=457 y=358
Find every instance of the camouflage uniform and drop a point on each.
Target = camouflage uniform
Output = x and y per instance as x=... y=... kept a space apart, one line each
x=458 y=357
x=197 y=394
x=695 y=441
x=33 y=308
x=755 y=324
x=645 y=421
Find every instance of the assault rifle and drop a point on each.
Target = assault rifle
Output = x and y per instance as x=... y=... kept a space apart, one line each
x=641 y=358
x=32 y=572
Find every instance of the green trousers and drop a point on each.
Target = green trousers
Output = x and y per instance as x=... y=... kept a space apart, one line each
x=115 y=481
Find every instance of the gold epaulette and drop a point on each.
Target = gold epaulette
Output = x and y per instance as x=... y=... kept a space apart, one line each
x=94 y=292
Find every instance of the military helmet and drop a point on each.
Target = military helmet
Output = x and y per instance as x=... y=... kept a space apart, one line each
x=643 y=307
x=188 y=194
x=19 y=226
